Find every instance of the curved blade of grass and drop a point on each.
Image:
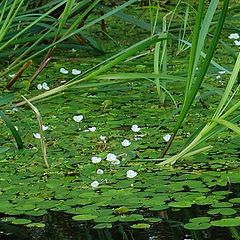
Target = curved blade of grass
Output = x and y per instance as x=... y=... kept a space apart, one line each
x=195 y=83
x=12 y=129
x=30 y=25
x=15 y=7
x=128 y=18
x=212 y=127
x=63 y=38
x=118 y=58
x=229 y=125
x=140 y=76
x=40 y=126
x=228 y=88
x=203 y=54
x=81 y=17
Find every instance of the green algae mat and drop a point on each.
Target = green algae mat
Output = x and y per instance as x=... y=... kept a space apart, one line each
x=102 y=150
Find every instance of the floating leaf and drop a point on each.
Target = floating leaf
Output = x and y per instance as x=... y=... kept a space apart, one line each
x=222 y=211
x=141 y=226
x=84 y=217
x=121 y=210
x=36 y=225
x=130 y=218
x=180 y=204
x=197 y=226
x=200 y=220
x=21 y=221
x=103 y=226
x=226 y=222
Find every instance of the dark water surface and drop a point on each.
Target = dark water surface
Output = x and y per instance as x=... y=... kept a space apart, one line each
x=61 y=227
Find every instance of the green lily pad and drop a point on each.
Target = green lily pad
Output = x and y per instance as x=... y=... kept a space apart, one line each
x=235 y=200
x=84 y=217
x=36 y=225
x=226 y=222
x=200 y=219
x=141 y=226
x=130 y=218
x=103 y=226
x=21 y=221
x=180 y=204
x=222 y=211
x=197 y=226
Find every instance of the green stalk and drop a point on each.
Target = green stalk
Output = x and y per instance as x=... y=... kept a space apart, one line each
x=218 y=118
x=123 y=55
x=65 y=37
x=30 y=25
x=40 y=126
x=81 y=17
x=193 y=84
x=10 y=17
x=12 y=129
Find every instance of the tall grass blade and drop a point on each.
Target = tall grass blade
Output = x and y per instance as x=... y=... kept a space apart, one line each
x=12 y=129
x=193 y=84
x=40 y=126
x=119 y=57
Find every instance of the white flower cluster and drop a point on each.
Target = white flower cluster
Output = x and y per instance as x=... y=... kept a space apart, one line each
x=74 y=71
x=38 y=135
x=43 y=86
x=235 y=37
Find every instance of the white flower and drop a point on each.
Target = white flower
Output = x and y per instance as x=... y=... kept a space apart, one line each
x=103 y=138
x=14 y=109
x=43 y=86
x=75 y=72
x=115 y=162
x=44 y=127
x=39 y=86
x=100 y=171
x=126 y=143
x=218 y=77
x=16 y=128
x=135 y=128
x=131 y=174
x=167 y=137
x=111 y=157
x=95 y=184
x=78 y=118
x=92 y=129
x=73 y=50
x=37 y=135
x=237 y=43
x=63 y=71
x=96 y=159
x=233 y=36
x=222 y=72
x=11 y=75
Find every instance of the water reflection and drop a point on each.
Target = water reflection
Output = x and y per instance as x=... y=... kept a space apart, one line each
x=61 y=227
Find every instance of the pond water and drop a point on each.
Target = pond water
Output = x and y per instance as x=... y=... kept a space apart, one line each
x=60 y=226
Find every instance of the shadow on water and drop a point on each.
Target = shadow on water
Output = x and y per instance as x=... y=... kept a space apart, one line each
x=60 y=227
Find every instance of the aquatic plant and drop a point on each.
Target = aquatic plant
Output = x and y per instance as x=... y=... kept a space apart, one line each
x=35 y=24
